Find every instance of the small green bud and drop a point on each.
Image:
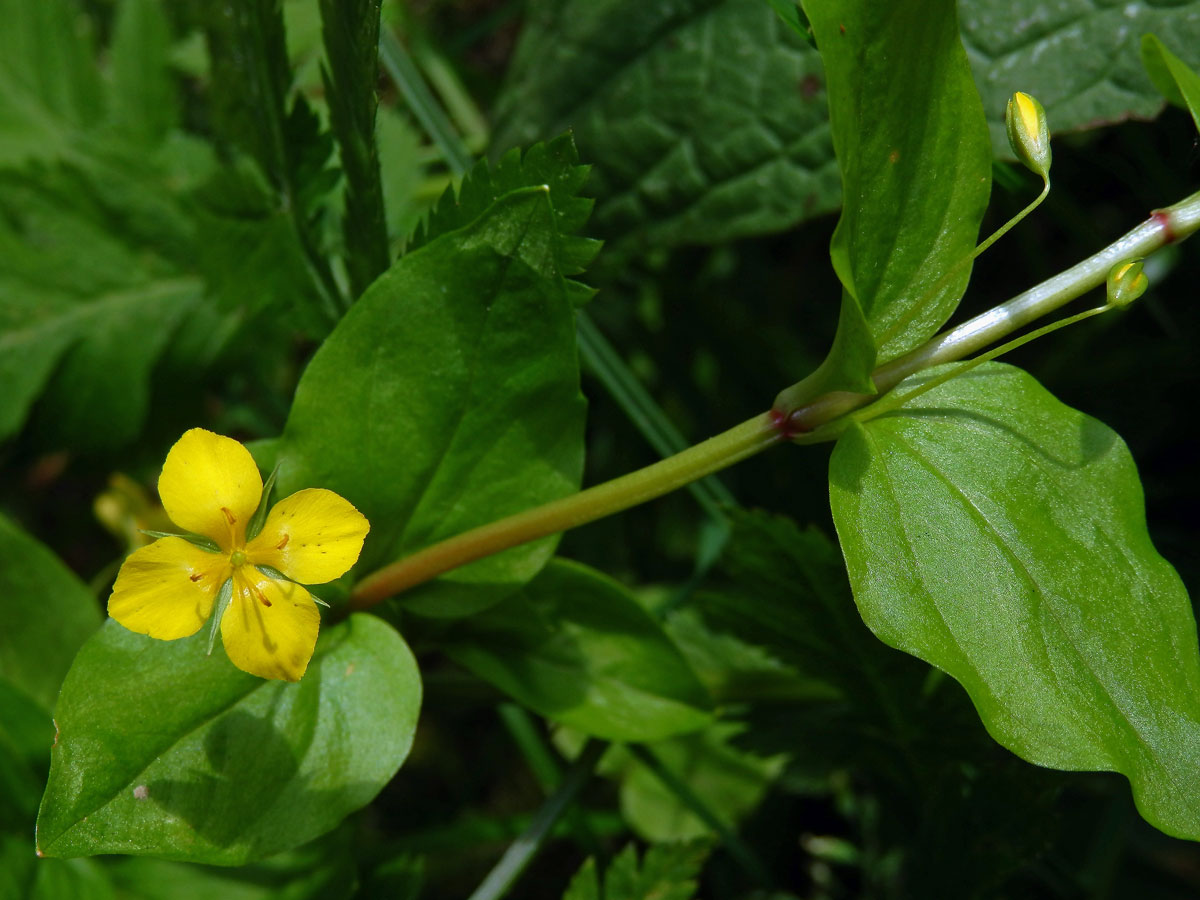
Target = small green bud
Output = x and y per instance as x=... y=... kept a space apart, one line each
x=1126 y=282
x=1028 y=134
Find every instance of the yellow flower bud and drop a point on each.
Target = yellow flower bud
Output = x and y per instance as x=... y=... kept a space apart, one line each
x=1126 y=282
x=1028 y=134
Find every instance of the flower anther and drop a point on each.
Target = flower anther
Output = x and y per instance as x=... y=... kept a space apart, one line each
x=211 y=487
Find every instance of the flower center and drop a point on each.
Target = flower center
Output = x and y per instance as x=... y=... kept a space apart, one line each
x=237 y=558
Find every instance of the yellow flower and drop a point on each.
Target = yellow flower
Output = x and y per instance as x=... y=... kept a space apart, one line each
x=211 y=487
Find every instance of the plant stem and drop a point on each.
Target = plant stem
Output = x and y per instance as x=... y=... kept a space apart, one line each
x=710 y=456
x=523 y=849
x=1165 y=226
x=893 y=400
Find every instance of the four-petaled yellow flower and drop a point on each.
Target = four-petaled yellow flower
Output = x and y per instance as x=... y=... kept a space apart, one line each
x=211 y=487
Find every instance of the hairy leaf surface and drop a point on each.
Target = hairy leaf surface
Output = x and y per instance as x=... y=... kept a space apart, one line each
x=1079 y=59
x=705 y=119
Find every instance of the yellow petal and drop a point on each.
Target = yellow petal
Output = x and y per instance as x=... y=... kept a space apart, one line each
x=313 y=536
x=211 y=486
x=166 y=590
x=270 y=628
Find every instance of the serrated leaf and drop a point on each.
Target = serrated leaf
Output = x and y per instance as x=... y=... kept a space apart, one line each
x=47 y=613
x=1000 y=536
x=667 y=872
x=553 y=165
x=48 y=83
x=142 y=100
x=784 y=589
x=705 y=119
x=163 y=750
x=585 y=883
x=575 y=647
x=249 y=98
x=246 y=248
x=916 y=183
x=447 y=398
x=1171 y=75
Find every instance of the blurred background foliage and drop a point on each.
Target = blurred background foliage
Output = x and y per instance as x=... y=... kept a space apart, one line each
x=150 y=279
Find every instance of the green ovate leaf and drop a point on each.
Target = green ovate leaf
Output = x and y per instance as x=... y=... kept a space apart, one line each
x=448 y=397
x=575 y=647
x=165 y=751
x=916 y=181
x=1080 y=60
x=667 y=872
x=1171 y=76
x=960 y=809
x=46 y=614
x=1000 y=536
x=705 y=119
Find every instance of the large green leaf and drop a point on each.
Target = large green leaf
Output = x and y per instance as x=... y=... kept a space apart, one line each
x=1000 y=536
x=705 y=119
x=684 y=107
x=47 y=613
x=165 y=751
x=48 y=83
x=449 y=397
x=99 y=244
x=916 y=181
x=575 y=647
x=1079 y=59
